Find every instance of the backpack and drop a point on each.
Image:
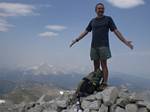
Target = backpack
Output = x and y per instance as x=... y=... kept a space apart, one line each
x=89 y=84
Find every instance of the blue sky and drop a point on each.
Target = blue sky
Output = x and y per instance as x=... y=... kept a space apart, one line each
x=40 y=31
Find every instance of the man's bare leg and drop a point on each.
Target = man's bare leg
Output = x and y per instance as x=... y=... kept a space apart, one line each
x=96 y=65
x=105 y=70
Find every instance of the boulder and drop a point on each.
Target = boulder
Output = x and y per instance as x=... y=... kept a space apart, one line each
x=95 y=105
x=109 y=95
x=119 y=109
x=143 y=109
x=148 y=106
x=131 y=108
x=103 y=108
x=121 y=102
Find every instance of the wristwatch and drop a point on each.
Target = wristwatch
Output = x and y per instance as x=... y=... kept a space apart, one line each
x=77 y=40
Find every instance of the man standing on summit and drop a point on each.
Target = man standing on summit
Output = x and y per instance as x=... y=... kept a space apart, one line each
x=100 y=49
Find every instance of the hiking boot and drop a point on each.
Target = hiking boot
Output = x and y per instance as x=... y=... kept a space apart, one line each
x=102 y=86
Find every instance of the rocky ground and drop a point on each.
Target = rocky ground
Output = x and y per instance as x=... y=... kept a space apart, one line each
x=112 y=99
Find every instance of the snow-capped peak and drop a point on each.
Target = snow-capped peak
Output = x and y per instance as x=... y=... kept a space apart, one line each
x=44 y=69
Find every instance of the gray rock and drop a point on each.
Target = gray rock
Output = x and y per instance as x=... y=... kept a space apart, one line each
x=51 y=105
x=123 y=88
x=41 y=99
x=141 y=103
x=99 y=96
x=113 y=107
x=85 y=104
x=91 y=105
x=68 y=110
x=49 y=111
x=95 y=105
x=65 y=110
x=124 y=95
x=131 y=108
x=148 y=106
x=109 y=95
x=72 y=109
x=142 y=110
x=38 y=108
x=134 y=97
x=87 y=110
x=93 y=111
x=30 y=106
x=103 y=108
x=122 y=102
x=62 y=103
x=118 y=109
x=90 y=98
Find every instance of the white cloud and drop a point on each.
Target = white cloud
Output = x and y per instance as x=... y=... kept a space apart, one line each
x=4 y=25
x=56 y=27
x=15 y=9
x=48 y=34
x=126 y=3
x=51 y=33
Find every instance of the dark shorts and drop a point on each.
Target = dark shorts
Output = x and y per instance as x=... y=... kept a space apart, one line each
x=100 y=53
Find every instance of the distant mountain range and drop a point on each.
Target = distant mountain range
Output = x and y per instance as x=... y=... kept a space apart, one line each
x=52 y=78
x=32 y=92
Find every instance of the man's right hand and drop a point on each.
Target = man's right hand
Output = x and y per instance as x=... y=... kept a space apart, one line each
x=73 y=42
x=82 y=35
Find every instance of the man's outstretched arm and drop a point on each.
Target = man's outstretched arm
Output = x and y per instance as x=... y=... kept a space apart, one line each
x=82 y=35
x=120 y=36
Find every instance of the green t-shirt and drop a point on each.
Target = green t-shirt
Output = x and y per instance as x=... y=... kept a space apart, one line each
x=100 y=29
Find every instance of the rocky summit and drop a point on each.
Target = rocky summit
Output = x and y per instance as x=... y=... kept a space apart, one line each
x=112 y=99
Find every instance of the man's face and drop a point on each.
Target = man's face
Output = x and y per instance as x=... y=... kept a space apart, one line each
x=100 y=10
